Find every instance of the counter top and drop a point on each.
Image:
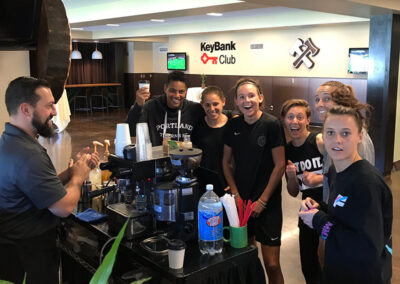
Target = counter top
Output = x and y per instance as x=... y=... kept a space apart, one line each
x=231 y=263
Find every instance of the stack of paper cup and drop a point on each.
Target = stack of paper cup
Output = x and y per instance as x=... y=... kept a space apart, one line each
x=122 y=138
x=143 y=143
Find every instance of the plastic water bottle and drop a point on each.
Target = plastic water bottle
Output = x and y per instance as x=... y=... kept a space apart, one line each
x=210 y=222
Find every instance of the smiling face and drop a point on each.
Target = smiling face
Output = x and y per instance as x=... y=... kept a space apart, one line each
x=341 y=136
x=176 y=93
x=44 y=112
x=296 y=122
x=248 y=100
x=323 y=101
x=213 y=106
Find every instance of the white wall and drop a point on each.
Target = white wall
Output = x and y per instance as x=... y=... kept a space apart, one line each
x=12 y=64
x=274 y=60
x=143 y=57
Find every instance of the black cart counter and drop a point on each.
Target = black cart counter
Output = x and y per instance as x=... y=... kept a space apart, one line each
x=81 y=245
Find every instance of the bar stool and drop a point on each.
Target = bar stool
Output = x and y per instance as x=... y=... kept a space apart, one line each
x=85 y=107
x=114 y=99
x=100 y=98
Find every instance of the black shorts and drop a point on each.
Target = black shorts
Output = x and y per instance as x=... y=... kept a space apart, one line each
x=267 y=228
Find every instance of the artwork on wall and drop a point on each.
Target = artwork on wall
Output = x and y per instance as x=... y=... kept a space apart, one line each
x=303 y=50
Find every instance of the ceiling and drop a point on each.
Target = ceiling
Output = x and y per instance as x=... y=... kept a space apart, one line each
x=89 y=18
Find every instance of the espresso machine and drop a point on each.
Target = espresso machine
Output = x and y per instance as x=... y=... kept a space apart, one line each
x=175 y=202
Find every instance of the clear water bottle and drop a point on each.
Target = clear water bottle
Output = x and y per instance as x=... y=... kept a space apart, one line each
x=210 y=222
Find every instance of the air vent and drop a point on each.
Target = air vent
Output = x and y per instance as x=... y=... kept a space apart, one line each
x=163 y=49
x=256 y=46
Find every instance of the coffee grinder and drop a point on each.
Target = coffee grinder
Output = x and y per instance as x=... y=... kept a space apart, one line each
x=175 y=202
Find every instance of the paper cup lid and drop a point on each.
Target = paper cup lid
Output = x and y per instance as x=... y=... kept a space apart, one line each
x=176 y=244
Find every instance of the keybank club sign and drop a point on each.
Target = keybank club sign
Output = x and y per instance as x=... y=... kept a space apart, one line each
x=209 y=48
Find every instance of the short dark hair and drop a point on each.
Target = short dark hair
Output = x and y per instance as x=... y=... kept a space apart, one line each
x=293 y=103
x=176 y=76
x=342 y=110
x=23 y=90
x=212 y=90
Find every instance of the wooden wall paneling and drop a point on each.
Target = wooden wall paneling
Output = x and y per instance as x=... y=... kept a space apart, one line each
x=129 y=89
x=360 y=88
x=286 y=88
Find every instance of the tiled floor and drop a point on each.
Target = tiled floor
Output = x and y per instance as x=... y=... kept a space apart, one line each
x=83 y=129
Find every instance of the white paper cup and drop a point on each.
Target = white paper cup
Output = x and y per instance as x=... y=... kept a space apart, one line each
x=122 y=134
x=144 y=83
x=176 y=253
x=176 y=258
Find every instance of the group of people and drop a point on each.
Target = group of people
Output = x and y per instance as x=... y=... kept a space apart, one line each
x=346 y=211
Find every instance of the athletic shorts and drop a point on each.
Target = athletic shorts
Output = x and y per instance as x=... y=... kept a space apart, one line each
x=267 y=228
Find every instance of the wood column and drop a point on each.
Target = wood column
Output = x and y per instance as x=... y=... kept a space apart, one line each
x=384 y=50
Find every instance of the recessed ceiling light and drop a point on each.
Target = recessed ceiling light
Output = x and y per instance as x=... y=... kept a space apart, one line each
x=215 y=14
x=157 y=20
x=112 y=25
x=77 y=29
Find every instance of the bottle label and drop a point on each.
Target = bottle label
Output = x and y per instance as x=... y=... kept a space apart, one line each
x=210 y=226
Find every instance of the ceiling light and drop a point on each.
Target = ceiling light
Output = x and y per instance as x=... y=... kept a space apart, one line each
x=77 y=29
x=97 y=54
x=112 y=25
x=157 y=20
x=76 y=54
x=215 y=14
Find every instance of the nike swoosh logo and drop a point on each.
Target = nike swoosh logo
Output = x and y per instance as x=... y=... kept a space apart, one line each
x=236 y=133
x=274 y=239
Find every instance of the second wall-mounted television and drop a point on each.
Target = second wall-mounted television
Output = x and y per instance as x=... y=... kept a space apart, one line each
x=358 y=60
x=177 y=61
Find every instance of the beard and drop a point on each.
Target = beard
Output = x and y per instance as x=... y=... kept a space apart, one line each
x=45 y=129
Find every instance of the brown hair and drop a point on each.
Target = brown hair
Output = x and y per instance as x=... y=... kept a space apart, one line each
x=341 y=110
x=344 y=95
x=293 y=103
x=250 y=81
x=212 y=90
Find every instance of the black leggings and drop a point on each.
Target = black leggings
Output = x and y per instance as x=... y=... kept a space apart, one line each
x=308 y=239
x=38 y=257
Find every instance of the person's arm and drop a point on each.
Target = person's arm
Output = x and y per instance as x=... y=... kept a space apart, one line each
x=79 y=172
x=278 y=156
x=93 y=162
x=320 y=143
x=137 y=112
x=228 y=171
x=292 y=182
x=311 y=179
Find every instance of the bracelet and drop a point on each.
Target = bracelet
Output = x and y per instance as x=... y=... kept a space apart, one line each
x=263 y=204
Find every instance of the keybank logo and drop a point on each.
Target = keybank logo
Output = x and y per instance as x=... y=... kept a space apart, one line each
x=217 y=46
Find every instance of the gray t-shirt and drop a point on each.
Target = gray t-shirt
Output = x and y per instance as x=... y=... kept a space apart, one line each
x=29 y=185
x=365 y=149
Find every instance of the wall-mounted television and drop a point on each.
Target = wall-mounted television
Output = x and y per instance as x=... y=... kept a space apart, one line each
x=177 y=61
x=358 y=61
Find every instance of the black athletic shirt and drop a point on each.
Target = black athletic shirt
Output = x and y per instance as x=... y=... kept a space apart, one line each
x=210 y=140
x=357 y=226
x=306 y=158
x=252 y=152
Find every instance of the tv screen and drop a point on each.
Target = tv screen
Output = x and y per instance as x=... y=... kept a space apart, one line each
x=176 y=61
x=19 y=24
x=358 y=61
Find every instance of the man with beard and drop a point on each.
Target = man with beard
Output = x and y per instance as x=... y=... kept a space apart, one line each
x=32 y=196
